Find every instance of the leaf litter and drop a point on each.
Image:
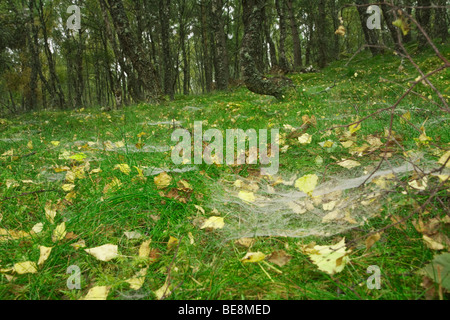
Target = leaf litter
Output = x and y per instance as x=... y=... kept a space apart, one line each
x=277 y=208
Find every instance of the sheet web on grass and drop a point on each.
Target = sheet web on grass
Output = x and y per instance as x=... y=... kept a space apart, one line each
x=261 y=207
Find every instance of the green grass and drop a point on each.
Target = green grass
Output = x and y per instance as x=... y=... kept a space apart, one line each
x=210 y=268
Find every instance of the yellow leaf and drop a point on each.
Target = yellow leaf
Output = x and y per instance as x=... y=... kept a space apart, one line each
x=8 y=153
x=402 y=24
x=330 y=259
x=238 y=183
x=185 y=184
x=98 y=170
x=123 y=167
x=55 y=143
x=138 y=280
x=10 y=183
x=307 y=183
x=78 y=157
x=59 y=233
x=445 y=159
x=333 y=215
x=6 y=235
x=144 y=249
x=163 y=292
x=432 y=244
x=119 y=144
x=50 y=212
x=140 y=171
x=172 y=243
x=247 y=196
x=68 y=187
x=45 y=253
x=340 y=31
x=25 y=267
x=419 y=184
x=213 y=223
x=299 y=207
x=305 y=139
x=354 y=128
x=105 y=252
x=30 y=144
x=329 y=206
x=70 y=177
x=349 y=164
x=38 y=227
x=405 y=117
x=163 y=180
x=199 y=209
x=252 y=257
x=97 y=293
x=347 y=144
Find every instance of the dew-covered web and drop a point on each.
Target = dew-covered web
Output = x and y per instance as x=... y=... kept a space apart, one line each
x=338 y=204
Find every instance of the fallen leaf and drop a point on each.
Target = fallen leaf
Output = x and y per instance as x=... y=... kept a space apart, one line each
x=330 y=259
x=307 y=183
x=79 y=244
x=439 y=270
x=163 y=292
x=162 y=180
x=6 y=235
x=247 y=196
x=172 y=243
x=191 y=238
x=305 y=139
x=137 y=281
x=25 y=267
x=354 y=128
x=371 y=240
x=299 y=207
x=123 y=167
x=199 y=209
x=183 y=184
x=105 y=252
x=78 y=157
x=44 y=254
x=329 y=206
x=213 y=223
x=59 y=233
x=97 y=293
x=68 y=187
x=419 y=184
x=349 y=164
x=333 y=215
x=246 y=242
x=280 y=258
x=433 y=245
x=144 y=249
x=445 y=159
x=252 y=257
x=50 y=212
x=132 y=235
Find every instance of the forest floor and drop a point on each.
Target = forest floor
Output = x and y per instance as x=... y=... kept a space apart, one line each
x=89 y=179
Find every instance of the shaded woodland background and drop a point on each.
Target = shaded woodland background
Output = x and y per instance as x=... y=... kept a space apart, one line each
x=151 y=50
